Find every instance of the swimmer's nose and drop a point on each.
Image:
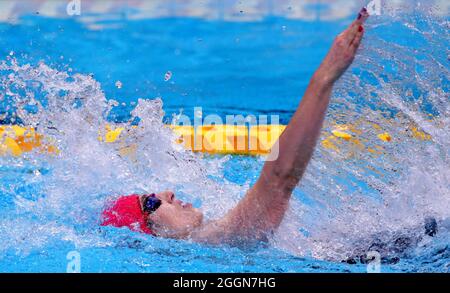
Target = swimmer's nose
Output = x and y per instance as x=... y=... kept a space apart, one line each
x=168 y=196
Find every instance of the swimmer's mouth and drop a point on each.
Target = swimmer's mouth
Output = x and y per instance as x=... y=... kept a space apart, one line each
x=186 y=205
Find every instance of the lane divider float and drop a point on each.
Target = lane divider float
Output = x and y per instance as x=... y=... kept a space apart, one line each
x=214 y=139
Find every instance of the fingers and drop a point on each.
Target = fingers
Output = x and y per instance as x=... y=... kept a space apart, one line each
x=358 y=37
x=350 y=34
x=363 y=15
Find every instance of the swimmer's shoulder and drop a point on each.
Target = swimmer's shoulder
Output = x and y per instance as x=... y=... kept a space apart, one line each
x=219 y=232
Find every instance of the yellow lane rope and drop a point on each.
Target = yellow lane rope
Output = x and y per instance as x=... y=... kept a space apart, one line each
x=215 y=139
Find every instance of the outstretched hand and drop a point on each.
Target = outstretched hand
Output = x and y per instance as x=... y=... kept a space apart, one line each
x=343 y=50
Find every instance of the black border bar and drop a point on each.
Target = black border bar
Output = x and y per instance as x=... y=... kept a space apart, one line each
x=269 y=282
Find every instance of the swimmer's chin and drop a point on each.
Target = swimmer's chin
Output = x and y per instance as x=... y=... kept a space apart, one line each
x=199 y=220
x=184 y=231
x=193 y=231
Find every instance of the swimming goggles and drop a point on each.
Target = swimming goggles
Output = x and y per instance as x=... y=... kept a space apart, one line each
x=151 y=203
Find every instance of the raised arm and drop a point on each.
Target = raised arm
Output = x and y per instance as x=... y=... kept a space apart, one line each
x=263 y=207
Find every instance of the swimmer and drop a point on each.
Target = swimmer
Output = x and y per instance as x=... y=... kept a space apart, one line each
x=262 y=209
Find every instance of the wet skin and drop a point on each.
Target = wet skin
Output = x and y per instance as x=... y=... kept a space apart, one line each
x=263 y=207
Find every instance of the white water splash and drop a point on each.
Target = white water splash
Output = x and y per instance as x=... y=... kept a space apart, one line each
x=87 y=172
x=357 y=194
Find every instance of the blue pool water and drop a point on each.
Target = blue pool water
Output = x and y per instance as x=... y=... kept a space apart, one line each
x=214 y=64
x=50 y=206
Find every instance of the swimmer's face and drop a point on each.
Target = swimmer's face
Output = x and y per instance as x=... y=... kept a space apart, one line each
x=174 y=218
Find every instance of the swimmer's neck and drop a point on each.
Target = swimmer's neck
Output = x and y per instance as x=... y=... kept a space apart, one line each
x=201 y=233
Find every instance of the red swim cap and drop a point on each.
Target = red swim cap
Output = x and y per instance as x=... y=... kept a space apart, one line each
x=126 y=212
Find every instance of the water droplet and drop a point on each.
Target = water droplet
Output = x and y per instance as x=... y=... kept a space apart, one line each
x=113 y=103
x=167 y=76
x=119 y=84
